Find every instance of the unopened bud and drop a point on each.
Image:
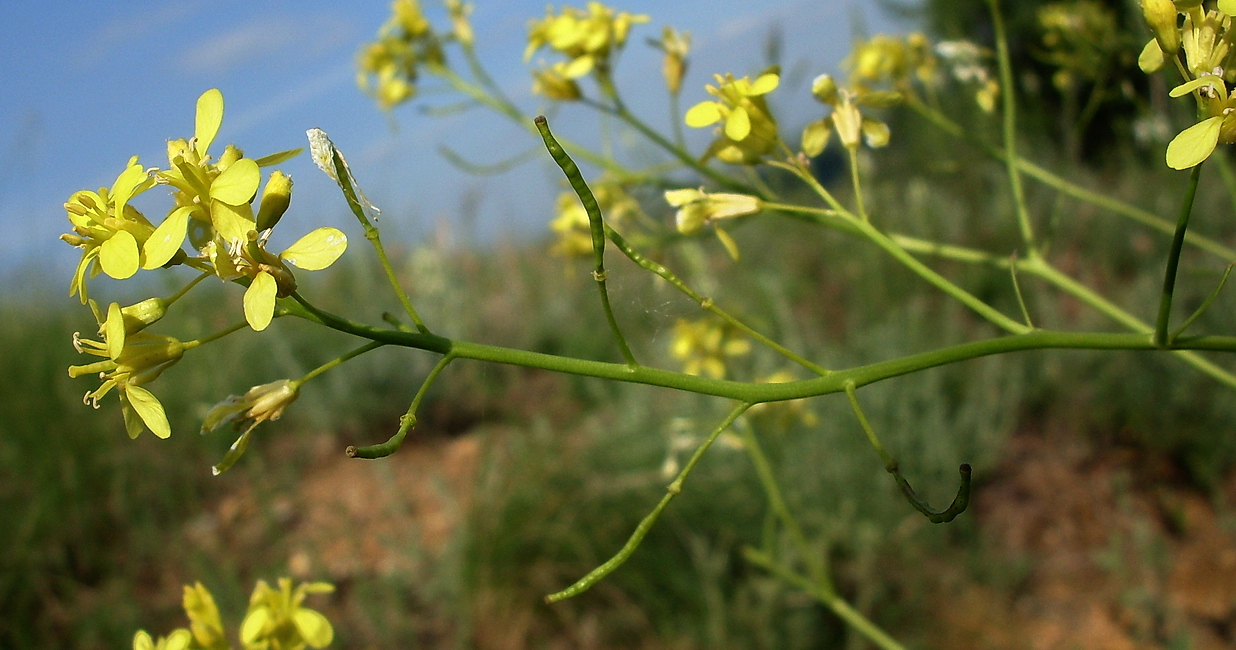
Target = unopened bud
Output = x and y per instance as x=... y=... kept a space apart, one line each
x=139 y=316
x=1161 y=17
x=825 y=89
x=275 y=200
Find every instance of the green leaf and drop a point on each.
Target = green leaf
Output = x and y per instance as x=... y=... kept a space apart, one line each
x=316 y=250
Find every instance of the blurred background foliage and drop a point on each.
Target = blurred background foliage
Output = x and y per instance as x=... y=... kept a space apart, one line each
x=518 y=482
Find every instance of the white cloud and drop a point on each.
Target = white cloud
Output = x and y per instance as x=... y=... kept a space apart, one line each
x=136 y=27
x=264 y=38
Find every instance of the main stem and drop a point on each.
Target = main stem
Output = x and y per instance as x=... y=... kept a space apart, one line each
x=1173 y=260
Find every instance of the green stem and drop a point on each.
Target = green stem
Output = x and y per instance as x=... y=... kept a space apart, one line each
x=1173 y=259
x=1043 y=270
x=834 y=382
x=772 y=490
x=1143 y=217
x=857 y=185
x=343 y=358
x=830 y=600
x=344 y=177
x=189 y=345
x=674 y=489
x=1205 y=303
x=960 y=502
x=707 y=303
x=192 y=283
x=382 y=450
x=596 y=226
x=1008 y=94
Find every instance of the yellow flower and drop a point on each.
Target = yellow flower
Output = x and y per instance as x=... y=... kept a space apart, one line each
x=111 y=233
x=131 y=358
x=260 y=404
x=704 y=345
x=276 y=618
x=204 y=620
x=179 y=639
x=748 y=131
x=1195 y=144
x=556 y=83
x=387 y=69
x=587 y=39
x=851 y=125
x=270 y=278
x=215 y=194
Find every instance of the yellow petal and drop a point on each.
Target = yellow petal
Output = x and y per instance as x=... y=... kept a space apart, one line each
x=679 y=198
x=738 y=124
x=125 y=185
x=1190 y=86
x=260 y=301
x=703 y=114
x=179 y=639
x=1228 y=7
x=209 y=117
x=238 y=183
x=316 y=250
x=254 y=624
x=232 y=223
x=1151 y=58
x=113 y=331
x=764 y=84
x=142 y=641
x=875 y=133
x=119 y=255
x=314 y=628
x=149 y=410
x=1194 y=144
x=167 y=238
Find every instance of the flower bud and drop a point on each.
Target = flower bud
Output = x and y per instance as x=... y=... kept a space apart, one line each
x=1161 y=17
x=275 y=200
x=139 y=316
x=825 y=89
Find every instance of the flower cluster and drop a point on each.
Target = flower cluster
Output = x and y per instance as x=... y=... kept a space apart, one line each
x=1206 y=38
x=703 y=346
x=213 y=211
x=387 y=69
x=588 y=39
x=275 y=621
x=747 y=130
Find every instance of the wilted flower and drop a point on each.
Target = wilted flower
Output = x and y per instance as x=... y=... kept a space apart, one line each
x=259 y=404
x=675 y=45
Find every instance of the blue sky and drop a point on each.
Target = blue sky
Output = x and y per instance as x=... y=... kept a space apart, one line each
x=88 y=84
